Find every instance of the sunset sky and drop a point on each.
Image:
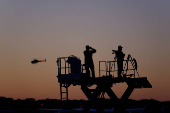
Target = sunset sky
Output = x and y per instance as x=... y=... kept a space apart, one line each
x=58 y=28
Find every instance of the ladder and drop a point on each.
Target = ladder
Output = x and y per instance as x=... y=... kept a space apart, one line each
x=64 y=91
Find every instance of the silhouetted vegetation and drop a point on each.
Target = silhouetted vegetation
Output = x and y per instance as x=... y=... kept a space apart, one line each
x=30 y=103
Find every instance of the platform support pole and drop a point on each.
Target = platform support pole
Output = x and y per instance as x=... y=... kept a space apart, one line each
x=92 y=98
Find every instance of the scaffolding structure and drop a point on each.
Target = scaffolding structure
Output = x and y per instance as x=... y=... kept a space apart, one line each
x=67 y=75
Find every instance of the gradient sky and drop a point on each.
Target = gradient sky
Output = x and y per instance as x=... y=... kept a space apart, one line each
x=58 y=28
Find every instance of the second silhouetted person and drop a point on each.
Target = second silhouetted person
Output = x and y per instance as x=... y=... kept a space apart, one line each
x=89 y=60
x=120 y=58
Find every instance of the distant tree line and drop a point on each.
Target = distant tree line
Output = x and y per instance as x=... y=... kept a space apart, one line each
x=30 y=103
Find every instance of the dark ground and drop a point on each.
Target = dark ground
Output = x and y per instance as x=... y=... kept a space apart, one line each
x=28 y=105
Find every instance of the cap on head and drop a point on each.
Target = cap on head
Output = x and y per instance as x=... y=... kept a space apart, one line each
x=120 y=47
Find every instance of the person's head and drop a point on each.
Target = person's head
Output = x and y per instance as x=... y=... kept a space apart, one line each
x=120 y=48
x=87 y=47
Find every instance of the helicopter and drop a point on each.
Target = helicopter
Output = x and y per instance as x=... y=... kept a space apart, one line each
x=36 y=61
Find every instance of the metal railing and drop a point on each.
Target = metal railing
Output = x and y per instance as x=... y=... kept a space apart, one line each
x=66 y=66
x=110 y=67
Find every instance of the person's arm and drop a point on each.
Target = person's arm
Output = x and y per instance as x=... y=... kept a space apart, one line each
x=114 y=52
x=92 y=49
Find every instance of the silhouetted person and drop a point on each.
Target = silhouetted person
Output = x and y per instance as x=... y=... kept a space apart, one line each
x=88 y=60
x=120 y=57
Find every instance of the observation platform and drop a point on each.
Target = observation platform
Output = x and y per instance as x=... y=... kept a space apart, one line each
x=82 y=79
x=72 y=74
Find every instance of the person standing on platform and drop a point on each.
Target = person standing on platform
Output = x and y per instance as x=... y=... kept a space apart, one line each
x=120 y=58
x=89 y=60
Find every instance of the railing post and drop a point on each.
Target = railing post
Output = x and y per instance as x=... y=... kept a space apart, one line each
x=65 y=65
x=109 y=67
x=106 y=67
x=68 y=68
x=99 y=68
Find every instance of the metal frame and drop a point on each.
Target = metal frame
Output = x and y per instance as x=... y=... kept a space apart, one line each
x=104 y=85
x=64 y=85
